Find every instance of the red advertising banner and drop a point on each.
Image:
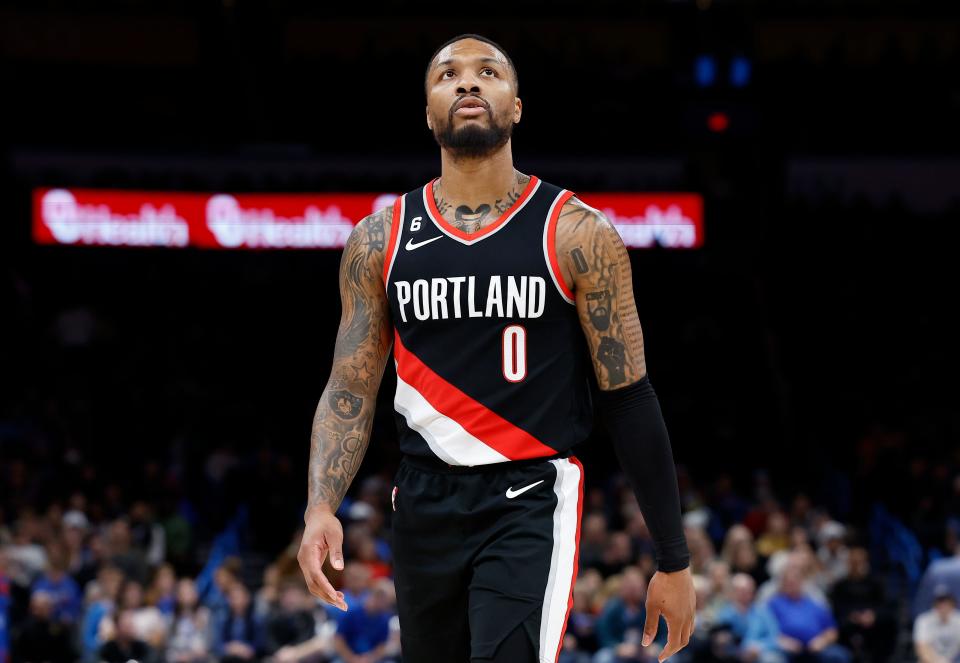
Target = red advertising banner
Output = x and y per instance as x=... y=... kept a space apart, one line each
x=104 y=217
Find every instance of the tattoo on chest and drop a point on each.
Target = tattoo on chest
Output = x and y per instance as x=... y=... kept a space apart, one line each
x=471 y=219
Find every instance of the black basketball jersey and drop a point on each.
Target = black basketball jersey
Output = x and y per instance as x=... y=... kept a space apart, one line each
x=490 y=356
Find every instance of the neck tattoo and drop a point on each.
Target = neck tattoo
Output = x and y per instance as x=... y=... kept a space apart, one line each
x=470 y=219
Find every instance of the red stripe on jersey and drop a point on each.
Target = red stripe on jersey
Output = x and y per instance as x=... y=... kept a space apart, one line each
x=552 y=243
x=438 y=217
x=475 y=418
x=576 y=556
x=392 y=244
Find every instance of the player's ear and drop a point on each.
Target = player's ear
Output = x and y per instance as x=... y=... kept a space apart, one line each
x=517 y=109
x=429 y=124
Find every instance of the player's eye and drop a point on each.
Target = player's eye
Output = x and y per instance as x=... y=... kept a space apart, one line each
x=486 y=70
x=448 y=71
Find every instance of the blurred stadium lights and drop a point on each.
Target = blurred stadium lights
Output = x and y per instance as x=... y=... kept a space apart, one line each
x=705 y=70
x=718 y=122
x=740 y=70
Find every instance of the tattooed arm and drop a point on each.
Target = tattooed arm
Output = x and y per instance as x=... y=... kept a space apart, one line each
x=595 y=265
x=344 y=415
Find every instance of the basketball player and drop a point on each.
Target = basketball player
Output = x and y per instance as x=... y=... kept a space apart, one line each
x=498 y=293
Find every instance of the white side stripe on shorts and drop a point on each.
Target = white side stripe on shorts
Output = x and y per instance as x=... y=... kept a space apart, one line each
x=560 y=581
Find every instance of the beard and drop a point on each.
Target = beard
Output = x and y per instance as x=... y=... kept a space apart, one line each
x=472 y=140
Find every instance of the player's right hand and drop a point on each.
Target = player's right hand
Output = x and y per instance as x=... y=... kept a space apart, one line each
x=322 y=535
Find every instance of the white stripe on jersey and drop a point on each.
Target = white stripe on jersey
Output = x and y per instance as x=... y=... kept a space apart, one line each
x=445 y=437
x=560 y=580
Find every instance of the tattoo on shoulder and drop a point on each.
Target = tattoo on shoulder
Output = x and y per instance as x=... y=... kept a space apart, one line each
x=600 y=266
x=579 y=262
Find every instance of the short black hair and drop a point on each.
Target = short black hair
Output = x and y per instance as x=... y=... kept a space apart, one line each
x=470 y=35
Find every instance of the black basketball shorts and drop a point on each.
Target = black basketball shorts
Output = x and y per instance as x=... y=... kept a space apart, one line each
x=480 y=551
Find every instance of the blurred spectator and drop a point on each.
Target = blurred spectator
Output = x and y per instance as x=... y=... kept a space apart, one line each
x=189 y=641
x=148 y=622
x=291 y=621
x=833 y=553
x=776 y=536
x=162 y=592
x=363 y=635
x=266 y=598
x=803 y=562
x=867 y=627
x=124 y=645
x=42 y=637
x=936 y=633
x=593 y=537
x=941 y=572
x=807 y=629
x=581 y=632
x=357 y=580
x=102 y=599
x=240 y=636
x=145 y=534
x=617 y=554
x=80 y=558
x=620 y=626
x=702 y=552
x=746 y=630
x=739 y=552
x=60 y=587
x=120 y=551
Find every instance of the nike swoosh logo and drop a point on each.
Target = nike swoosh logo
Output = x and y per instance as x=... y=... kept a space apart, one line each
x=411 y=245
x=511 y=493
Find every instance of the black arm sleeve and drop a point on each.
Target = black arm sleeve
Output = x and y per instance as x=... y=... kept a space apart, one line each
x=633 y=418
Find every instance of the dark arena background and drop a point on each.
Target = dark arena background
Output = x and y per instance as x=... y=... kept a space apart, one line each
x=789 y=177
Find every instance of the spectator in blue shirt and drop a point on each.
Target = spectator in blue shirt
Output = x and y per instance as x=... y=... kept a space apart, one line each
x=67 y=600
x=620 y=626
x=363 y=632
x=807 y=628
x=747 y=630
x=356 y=585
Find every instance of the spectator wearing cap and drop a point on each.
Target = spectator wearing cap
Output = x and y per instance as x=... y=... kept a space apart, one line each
x=833 y=552
x=78 y=554
x=859 y=601
x=936 y=632
x=807 y=628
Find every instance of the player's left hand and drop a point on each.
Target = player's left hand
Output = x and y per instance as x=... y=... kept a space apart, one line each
x=671 y=595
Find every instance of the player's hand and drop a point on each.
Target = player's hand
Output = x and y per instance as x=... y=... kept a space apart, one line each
x=322 y=535
x=671 y=595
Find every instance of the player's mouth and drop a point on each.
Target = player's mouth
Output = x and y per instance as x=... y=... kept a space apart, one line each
x=470 y=107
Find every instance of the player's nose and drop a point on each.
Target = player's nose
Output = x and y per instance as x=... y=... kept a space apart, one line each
x=468 y=83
